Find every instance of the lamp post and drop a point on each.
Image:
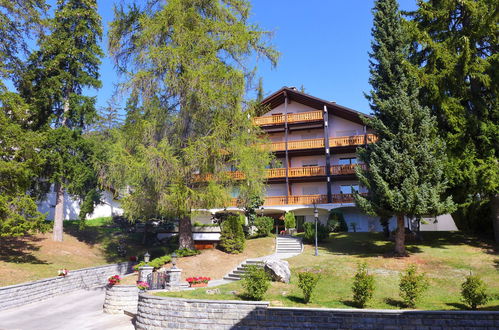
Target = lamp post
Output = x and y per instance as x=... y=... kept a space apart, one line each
x=316 y=217
x=147 y=256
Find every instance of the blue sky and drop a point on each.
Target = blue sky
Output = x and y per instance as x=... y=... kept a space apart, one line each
x=324 y=46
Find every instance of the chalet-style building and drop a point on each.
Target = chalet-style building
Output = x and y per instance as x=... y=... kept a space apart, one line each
x=315 y=143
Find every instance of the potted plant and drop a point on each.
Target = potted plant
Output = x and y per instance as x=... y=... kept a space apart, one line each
x=142 y=285
x=62 y=272
x=197 y=282
x=113 y=280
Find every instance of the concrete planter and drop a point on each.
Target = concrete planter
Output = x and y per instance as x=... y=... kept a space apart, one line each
x=120 y=298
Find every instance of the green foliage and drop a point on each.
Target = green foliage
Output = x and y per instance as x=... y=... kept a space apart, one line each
x=232 y=238
x=309 y=232
x=406 y=165
x=185 y=66
x=255 y=282
x=252 y=204
x=307 y=281
x=454 y=53
x=21 y=163
x=289 y=220
x=186 y=252
x=264 y=226
x=336 y=222
x=412 y=286
x=160 y=261
x=363 y=286
x=199 y=224
x=473 y=292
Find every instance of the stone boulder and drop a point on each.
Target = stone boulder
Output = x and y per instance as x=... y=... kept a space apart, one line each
x=278 y=270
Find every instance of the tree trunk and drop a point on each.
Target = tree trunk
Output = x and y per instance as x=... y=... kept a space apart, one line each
x=59 y=212
x=185 y=240
x=494 y=205
x=400 y=237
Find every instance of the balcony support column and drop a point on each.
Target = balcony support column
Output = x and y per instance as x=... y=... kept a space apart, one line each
x=286 y=144
x=328 y=156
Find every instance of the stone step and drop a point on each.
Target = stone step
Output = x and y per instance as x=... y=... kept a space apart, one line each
x=288 y=250
x=231 y=277
x=240 y=272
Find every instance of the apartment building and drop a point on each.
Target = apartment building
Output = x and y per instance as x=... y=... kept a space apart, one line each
x=314 y=142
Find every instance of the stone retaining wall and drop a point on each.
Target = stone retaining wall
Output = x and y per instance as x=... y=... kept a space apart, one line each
x=166 y=313
x=120 y=298
x=25 y=293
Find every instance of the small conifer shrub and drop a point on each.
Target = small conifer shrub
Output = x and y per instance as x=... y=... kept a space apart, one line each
x=412 y=286
x=307 y=281
x=255 y=282
x=232 y=238
x=363 y=286
x=473 y=292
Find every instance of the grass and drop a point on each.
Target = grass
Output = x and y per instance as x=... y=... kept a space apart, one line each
x=446 y=258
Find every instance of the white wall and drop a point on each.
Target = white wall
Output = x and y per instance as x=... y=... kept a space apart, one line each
x=300 y=161
x=306 y=188
x=342 y=127
x=276 y=189
x=107 y=208
x=293 y=107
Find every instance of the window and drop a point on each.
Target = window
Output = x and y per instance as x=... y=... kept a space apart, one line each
x=348 y=161
x=310 y=162
x=349 y=189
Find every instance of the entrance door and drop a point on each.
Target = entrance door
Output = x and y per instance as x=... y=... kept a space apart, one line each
x=300 y=220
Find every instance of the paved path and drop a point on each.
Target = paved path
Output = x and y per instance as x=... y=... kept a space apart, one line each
x=73 y=311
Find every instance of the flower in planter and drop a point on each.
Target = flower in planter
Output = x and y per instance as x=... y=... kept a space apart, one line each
x=142 y=285
x=62 y=272
x=115 y=279
x=198 y=280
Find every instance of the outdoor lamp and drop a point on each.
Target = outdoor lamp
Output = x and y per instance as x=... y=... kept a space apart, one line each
x=147 y=256
x=174 y=260
x=316 y=218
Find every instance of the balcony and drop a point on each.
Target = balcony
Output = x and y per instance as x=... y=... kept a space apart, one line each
x=301 y=117
x=343 y=141
x=295 y=172
x=304 y=199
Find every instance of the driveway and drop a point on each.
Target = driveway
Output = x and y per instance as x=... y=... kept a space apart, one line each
x=73 y=311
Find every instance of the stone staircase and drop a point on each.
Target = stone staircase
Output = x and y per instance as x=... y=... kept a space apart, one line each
x=288 y=246
x=238 y=272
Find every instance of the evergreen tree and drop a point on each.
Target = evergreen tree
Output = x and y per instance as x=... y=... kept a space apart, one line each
x=455 y=53
x=66 y=63
x=405 y=174
x=185 y=63
x=20 y=159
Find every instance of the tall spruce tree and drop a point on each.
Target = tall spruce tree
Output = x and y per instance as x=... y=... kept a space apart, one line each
x=405 y=173
x=456 y=56
x=185 y=63
x=66 y=63
x=20 y=159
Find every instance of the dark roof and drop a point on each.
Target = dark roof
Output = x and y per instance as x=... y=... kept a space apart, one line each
x=278 y=98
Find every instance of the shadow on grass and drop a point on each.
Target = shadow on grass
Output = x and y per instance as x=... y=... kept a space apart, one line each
x=349 y=303
x=296 y=299
x=461 y=306
x=394 y=302
x=20 y=249
x=375 y=244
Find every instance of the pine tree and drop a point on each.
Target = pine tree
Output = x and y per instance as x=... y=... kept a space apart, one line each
x=66 y=63
x=455 y=53
x=405 y=174
x=185 y=63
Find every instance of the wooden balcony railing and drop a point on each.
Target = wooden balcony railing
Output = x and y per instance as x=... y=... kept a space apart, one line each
x=342 y=141
x=300 y=117
x=345 y=169
x=304 y=199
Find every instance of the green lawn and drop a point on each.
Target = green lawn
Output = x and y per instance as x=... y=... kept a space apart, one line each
x=446 y=258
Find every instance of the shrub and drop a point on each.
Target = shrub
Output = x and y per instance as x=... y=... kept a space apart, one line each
x=232 y=235
x=473 y=292
x=336 y=222
x=255 y=282
x=309 y=233
x=363 y=286
x=289 y=220
x=186 y=252
x=412 y=285
x=307 y=281
x=264 y=226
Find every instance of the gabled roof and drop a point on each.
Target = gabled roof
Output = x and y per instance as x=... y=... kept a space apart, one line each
x=278 y=98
